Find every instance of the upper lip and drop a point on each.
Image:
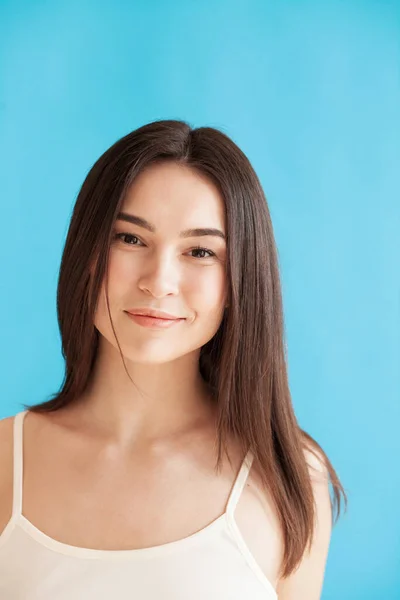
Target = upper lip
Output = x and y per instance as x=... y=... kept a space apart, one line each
x=151 y=312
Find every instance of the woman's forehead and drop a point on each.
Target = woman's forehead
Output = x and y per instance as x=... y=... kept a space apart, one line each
x=163 y=193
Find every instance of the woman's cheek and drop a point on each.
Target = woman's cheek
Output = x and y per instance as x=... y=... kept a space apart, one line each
x=208 y=288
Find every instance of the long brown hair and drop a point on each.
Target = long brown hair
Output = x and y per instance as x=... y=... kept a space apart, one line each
x=245 y=363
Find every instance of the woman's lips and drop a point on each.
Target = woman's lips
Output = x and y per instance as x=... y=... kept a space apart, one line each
x=153 y=322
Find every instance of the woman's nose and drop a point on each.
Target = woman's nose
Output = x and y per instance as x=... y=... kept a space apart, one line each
x=160 y=276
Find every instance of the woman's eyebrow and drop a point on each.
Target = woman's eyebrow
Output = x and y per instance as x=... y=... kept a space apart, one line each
x=197 y=232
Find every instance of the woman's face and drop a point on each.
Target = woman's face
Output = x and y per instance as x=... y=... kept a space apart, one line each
x=162 y=269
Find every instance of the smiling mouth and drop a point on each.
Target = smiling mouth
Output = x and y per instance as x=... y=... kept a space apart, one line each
x=153 y=322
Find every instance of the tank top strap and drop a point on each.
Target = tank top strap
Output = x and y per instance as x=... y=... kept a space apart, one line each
x=239 y=483
x=18 y=468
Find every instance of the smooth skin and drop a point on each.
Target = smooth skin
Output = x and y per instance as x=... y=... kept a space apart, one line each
x=148 y=439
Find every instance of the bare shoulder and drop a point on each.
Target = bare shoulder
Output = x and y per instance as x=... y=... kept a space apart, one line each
x=316 y=464
x=6 y=470
x=307 y=580
x=6 y=444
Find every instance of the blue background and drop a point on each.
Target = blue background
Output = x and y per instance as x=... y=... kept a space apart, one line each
x=310 y=91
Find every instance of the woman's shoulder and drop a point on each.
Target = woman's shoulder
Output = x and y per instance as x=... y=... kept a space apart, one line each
x=6 y=442
x=6 y=426
x=6 y=470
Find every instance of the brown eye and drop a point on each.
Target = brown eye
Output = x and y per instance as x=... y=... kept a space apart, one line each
x=129 y=236
x=201 y=249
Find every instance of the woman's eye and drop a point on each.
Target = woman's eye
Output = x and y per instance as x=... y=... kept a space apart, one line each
x=126 y=235
x=126 y=239
x=201 y=250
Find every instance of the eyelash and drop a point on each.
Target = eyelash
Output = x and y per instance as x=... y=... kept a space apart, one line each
x=118 y=236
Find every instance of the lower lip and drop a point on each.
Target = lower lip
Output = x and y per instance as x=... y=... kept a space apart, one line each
x=153 y=322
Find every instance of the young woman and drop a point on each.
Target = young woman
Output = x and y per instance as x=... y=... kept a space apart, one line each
x=170 y=464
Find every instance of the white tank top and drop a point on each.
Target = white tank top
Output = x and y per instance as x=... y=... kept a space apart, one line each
x=213 y=563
